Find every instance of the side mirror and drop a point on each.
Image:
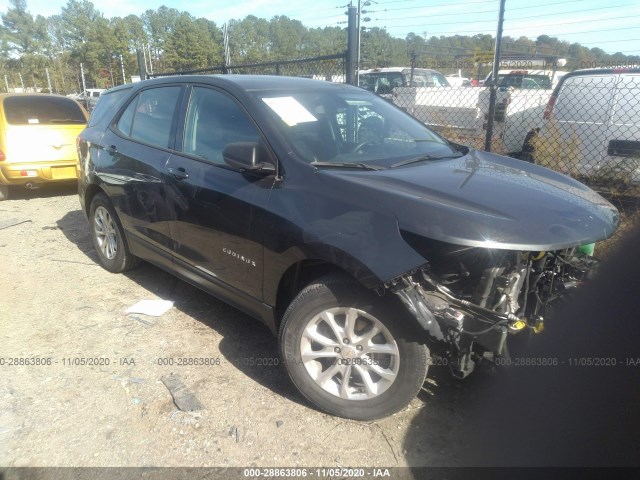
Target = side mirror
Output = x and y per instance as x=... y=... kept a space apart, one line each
x=248 y=157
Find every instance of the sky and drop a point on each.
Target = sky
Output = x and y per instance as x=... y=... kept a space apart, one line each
x=613 y=25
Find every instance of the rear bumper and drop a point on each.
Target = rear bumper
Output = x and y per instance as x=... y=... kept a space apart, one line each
x=38 y=172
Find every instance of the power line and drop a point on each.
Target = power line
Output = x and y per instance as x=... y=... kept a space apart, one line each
x=570 y=12
x=494 y=11
x=538 y=5
x=618 y=41
x=315 y=10
x=522 y=28
x=591 y=31
x=577 y=21
x=440 y=4
x=435 y=5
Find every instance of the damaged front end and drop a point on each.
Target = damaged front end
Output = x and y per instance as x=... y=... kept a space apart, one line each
x=472 y=300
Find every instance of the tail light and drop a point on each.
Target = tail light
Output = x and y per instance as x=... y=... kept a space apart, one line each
x=550 y=104
x=2 y=156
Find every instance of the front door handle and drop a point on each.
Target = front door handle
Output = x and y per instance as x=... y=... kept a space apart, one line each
x=111 y=150
x=178 y=173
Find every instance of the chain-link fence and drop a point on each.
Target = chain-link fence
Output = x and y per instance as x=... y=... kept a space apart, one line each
x=587 y=127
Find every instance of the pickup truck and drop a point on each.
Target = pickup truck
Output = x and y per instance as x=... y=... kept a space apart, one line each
x=461 y=113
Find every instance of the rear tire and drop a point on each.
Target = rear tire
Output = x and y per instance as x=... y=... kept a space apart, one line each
x=108 y=237
x=4 y=192
x=351 y=353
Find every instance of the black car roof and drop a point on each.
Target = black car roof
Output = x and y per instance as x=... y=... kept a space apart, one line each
x=244 y=82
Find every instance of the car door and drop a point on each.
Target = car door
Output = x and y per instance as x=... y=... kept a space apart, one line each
x=622 y=153
x=135 y=153
x=217 y=209
x=580 y=122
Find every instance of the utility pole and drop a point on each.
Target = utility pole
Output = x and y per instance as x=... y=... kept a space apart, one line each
x=141 y=65
x=48 y=79
x=227 y=50
x=494 y=78
x=150 y=62
x=359 y=36
x=353 y=36
x=84 y=83
x=124 y=79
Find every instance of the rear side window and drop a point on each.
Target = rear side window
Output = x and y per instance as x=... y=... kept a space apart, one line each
x=108 y=102
x=585 y=99
x=149 y=117
x=42 y=110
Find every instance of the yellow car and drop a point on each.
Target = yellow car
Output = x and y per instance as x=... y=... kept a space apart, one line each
x=38 y=139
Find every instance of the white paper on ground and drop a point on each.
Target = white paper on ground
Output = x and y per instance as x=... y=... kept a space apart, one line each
x=154 y=308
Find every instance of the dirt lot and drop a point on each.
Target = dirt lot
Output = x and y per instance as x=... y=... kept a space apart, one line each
x=58 y=306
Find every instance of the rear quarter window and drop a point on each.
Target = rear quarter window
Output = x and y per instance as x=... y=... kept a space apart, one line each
x=42 y=110
x=108 y=103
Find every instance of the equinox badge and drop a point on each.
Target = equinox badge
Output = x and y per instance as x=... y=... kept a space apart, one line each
x=242 y=258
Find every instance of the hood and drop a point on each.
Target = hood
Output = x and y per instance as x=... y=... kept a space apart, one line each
x=484 y=200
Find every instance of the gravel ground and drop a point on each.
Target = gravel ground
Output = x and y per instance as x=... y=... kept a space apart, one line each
x=58 y=306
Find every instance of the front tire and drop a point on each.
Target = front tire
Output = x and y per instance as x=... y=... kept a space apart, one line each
x=108 y=237
x=351 y=353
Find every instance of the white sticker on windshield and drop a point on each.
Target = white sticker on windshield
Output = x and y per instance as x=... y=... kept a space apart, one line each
x=33 y=120
x=290 y=110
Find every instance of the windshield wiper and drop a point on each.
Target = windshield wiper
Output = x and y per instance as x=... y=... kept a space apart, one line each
x=358 y=165
x=424 y=158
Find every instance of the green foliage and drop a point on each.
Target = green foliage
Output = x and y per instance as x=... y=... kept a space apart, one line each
x=174 y=40
x=192 y=44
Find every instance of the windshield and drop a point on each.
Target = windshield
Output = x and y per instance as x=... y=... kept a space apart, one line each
x=351 y=126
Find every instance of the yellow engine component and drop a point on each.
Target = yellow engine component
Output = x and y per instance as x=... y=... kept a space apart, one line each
x=539 y=325
x=518 y=325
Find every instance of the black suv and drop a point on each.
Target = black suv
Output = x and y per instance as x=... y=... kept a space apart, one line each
x=354 y=232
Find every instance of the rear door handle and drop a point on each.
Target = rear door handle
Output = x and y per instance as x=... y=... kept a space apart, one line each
x=178 y=173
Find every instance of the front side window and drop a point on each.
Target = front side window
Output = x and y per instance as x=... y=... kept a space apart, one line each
x=150 y=116
x=213 y=121
x=42 y=110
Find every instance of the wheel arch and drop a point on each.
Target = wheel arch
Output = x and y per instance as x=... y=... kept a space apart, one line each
x=296 y=277
x=303 y=272
x=89 y=194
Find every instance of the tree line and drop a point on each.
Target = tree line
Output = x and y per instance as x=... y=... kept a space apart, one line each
x=33 y=46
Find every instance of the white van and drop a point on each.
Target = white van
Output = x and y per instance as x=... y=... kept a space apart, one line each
x=592 y=126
